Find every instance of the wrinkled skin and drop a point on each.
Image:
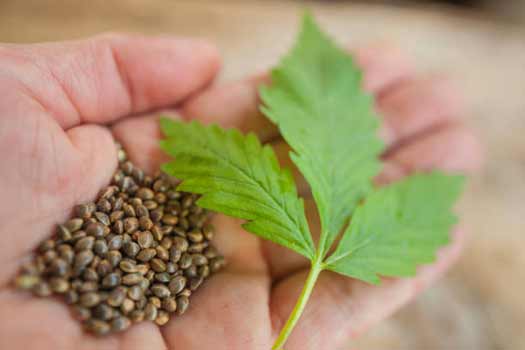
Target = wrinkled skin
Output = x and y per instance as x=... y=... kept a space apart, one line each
x=61 y=107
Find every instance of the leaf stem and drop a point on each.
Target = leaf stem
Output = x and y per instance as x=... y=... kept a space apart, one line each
x=309 y=284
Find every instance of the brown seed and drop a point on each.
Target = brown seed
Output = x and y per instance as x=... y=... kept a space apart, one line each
x=104 y=205
x=141 y=303
x=160 y=290
x=158 y=265
x=97 y=327
x=169 y=219
x=114 y=257
x=199 y=259
x=146 y=254
x=160 y=198
x=203 y=271
x=150 y=205
x=103 y=312
x=162 y=318
x=83 y=259
x=90 y=274
x=81 y=313
x=127 y=167
x=169 y=304
x=210 y=252
x=191 y=271
x=157 y=233
x=78 y=235
x=142 y=269
x=116 y=215
x=63 y=233
x=167 y=229
x=160 y=186
x=104 y=267
x=46 y=245
x=89 y=299
x=111 y=280
x=216 y=264
x=145 y=193
x=115 y=243
x=131 y=224
x=195 y=283
x=49 y=256
x=145 y=239
x=108 y=192
x=180 y=244
x=95 y=229
x=175 y=255
x=117 y=296
x=85 y=243
x=162 y=253
x=131 y=279
x=128 y=266
x=71 y=297
x=184 y=224
x=131 y=249
x=88 y=286
x=150 y=312
x=100 y=247
x=207 y=230
x=177 y=284
x=166 y=242
x=171 y=267
x=118 y=227
x=26 y=281
x=117 y=205
x=129 y=210
x=59 y=285
x=185 y=261
x=84 y=211
x=145 y=223
x=155 y=301
x=135 y=292
x=150 y=274
x=137 y=174
x=195 y=236
x=182 y=304
x=163 y=277
x=59 y=267
x=197 y=247
x=127 y=306
x=120 y=323
x=137 y=315
x=74 y=225
x=126 y=184
x=156 y=214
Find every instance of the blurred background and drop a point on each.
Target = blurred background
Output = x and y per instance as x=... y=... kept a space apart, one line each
x=480 y=305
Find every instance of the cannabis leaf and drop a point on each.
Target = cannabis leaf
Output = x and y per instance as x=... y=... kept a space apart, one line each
x=398 y=228
x=238 y=177
x=317 y=101
x=322 y=112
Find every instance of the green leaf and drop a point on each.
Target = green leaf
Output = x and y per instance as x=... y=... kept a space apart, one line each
x=397 y=228
x=239 y=177
x=317 y=101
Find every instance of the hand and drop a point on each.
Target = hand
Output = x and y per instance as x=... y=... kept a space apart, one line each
x=56 y=158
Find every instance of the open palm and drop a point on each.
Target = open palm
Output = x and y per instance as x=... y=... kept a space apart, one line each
x=62 y=106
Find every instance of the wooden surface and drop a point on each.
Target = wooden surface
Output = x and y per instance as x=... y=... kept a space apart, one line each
x=481 y=304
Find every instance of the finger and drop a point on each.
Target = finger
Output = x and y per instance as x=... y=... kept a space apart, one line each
x=236 y=104
x=418 y=105
x=101 y=79
x=342 y=307
x=452 y=149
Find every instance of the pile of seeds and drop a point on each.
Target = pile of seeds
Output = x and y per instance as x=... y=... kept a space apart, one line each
x=135 y=254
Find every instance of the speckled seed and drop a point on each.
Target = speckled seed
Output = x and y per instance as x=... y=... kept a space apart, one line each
x=145 y=223
x=146 y=254
x=169 y=304
x=199 y=259
x=216 y=264
x=88 y=286
x=150 y=274
x=144 y=284
x=120 y=324
x=84 y=211
x=103 y=218
x=46 y=245
x=131 y=279
x=111 y=280
x=180 y=244
x=141 y=303
x=207 y=231
x=74 y=225
x=157 y=233
x=63 y=233
x=195 y=283
x=145 y=239
x=108 y=191
x=203 y=271
x=85 y=243
x=131 y=224
x=116 y=215
x=150 y=312
x=177 y=284
x=114 y=257
x=97 y=327
x=182 y=304
x=166 y=243
x=27 y=281
x=197 y=247
x=150 y=205
x=89 y=299
x=210 y=252
x=175 y=255
x=142 y=269
x=103 y=312
x=162 y=253
x=191 y=271
x=128 y=266
x=142 y=211
x=117 y=296
x=135 y=292
x=118 y=227
x=71 y=297
x=115 y=243
x=129 y=210
x=59 y=267
x=145 y=193
x=169 y=219
x=95 y=229
x=160 y=290
x=137 y=315
x=104 y=267
x=59 y=285
x=163 y=277
x=162 y=318
x=155 y=301
x=171 y=267
x=131 y=249
x=81 y=313
x=100 y=247
x=83 y=258
x=127 y=306
x=104 y=205
x=185 y=261
x=157 y=265
x=195 y=236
